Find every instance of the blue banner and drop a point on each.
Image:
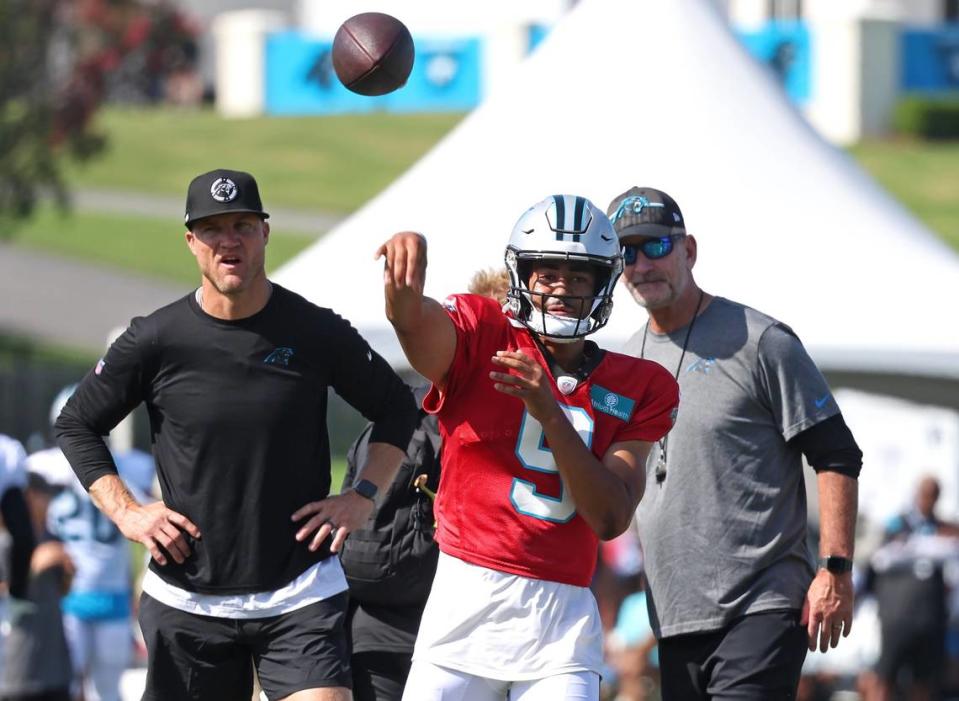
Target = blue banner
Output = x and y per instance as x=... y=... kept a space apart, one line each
x=785 y=48
x=446 y=77
x=930 y=59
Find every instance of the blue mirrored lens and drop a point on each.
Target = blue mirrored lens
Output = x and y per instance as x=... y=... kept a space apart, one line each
x=651 y=248
x=657 y=248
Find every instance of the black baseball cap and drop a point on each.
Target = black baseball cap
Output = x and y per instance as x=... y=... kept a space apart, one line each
x=222 y=191
x=645 y=211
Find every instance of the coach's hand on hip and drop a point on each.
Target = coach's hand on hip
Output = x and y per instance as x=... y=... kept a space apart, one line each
x=338 y=515
x=159 y=528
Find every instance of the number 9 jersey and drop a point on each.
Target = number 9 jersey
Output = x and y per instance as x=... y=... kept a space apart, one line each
x=501 y=502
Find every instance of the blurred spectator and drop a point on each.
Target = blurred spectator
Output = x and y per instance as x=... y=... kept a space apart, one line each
x=921 y=518
x=490 y=282
x=16 y=518
x=36 y=665
x=98 y=611
x=390 y=564
x=18 y=538
x=631 y=650
x=618 y=585
x=910 y=584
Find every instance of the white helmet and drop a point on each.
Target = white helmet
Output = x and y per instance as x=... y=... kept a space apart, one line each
x=563 y=228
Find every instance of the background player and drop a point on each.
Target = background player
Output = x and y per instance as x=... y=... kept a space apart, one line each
x=537 y=462
x=16 y=521
x=98 y=611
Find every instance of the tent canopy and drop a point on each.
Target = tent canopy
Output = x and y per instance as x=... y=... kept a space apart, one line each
x=660 y=94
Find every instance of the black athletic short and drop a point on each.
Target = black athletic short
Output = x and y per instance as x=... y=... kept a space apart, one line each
x=757 y=657
x=203 y=657
x=380 y=676
x=922 y=652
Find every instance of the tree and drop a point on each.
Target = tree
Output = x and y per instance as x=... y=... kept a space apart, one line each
x=59 y=60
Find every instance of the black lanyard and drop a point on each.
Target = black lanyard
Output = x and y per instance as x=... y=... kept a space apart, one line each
x=664 y=442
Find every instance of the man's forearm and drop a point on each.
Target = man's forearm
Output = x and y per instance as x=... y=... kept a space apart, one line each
x=838 y=505
x=111 y=496
x=382 y=462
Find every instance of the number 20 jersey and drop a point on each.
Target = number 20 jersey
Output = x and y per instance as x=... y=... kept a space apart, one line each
x=501 y=502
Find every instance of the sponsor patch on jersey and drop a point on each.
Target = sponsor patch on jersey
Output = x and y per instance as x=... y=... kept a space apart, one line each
x=609 y=402
x=450 y=304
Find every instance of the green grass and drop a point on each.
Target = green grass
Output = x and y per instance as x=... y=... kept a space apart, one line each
x=327 y=163
x=152 y=247
x=923 y=176
x=16 y=351
x=336 y=164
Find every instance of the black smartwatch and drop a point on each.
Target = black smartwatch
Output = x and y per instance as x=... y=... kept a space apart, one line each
x=837 y=564
x=365 y=488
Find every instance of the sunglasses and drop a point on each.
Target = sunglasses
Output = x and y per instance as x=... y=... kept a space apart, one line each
x=654 y=249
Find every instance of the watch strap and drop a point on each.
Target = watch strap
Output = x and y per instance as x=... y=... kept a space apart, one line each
x=837 y=564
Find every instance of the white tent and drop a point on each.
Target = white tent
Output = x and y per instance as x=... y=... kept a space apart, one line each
x=659 y=93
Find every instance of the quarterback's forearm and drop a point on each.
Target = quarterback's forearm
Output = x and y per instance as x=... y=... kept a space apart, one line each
x=602 y=498
x=428 y=338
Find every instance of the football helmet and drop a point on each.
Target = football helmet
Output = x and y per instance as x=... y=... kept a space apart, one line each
x=563 y=228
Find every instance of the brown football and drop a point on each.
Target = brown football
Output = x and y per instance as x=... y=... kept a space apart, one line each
x=373 y=53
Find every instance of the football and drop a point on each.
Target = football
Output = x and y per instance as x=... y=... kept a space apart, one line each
x=372 y=53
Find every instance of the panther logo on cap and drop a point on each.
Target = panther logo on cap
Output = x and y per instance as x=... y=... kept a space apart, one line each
x=224 y=190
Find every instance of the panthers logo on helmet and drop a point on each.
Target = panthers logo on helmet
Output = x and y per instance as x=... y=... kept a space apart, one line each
x=224 y=190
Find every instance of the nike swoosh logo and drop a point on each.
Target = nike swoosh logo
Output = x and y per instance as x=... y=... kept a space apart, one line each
x=821 y=402
x=527 y=231
x=605 y=238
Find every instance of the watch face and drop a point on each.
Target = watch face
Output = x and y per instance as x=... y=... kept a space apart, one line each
x=836 y=564
x=365 y=488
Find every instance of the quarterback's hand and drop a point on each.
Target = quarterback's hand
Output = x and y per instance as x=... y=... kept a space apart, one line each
x=405 y=264
x=525 y=378
x=827 y=611
x=158 y=528
x=338 y=514
x=404 y=275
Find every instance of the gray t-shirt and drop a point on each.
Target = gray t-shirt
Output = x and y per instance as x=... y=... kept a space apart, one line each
x=724 y=534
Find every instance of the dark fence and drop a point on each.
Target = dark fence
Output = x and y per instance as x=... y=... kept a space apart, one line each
x=30 y=380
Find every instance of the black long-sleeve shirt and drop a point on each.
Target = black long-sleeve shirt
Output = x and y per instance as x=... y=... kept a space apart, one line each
x=238 y=417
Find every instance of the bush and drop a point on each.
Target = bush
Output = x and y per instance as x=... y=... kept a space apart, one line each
x=928 y=117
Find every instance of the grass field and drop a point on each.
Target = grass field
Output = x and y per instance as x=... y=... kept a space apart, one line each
x=151 y=247
x=335 y=164
x=922 y=176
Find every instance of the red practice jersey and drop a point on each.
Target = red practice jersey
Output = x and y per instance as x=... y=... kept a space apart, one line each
x=501 y=502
